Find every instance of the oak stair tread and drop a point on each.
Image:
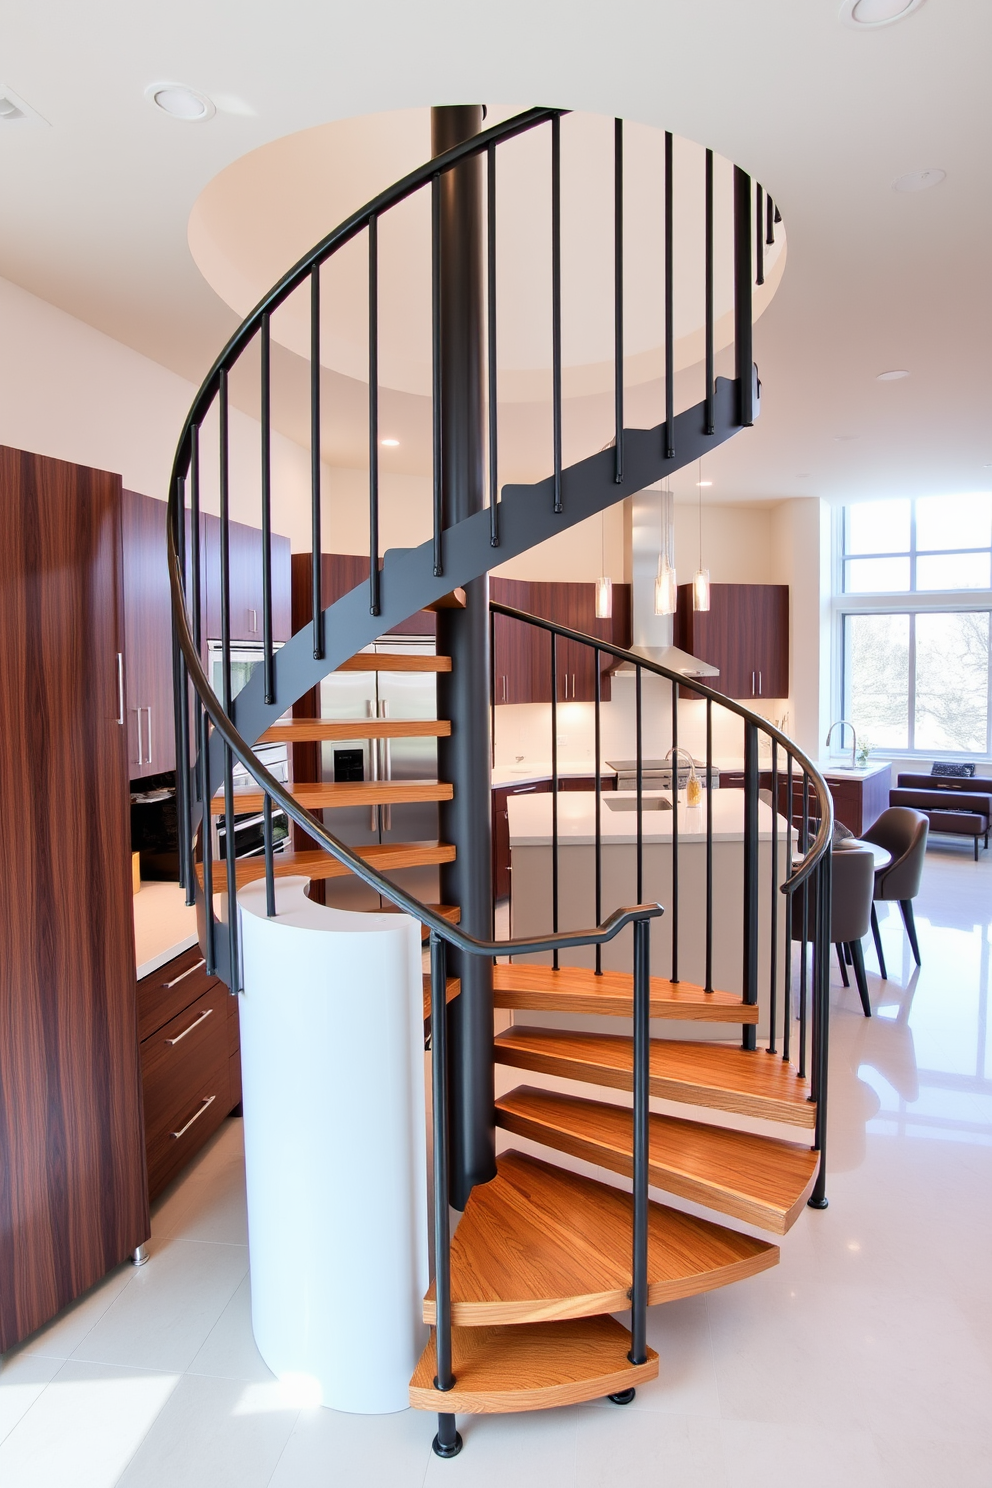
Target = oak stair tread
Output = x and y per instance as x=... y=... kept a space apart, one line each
x=313 y=730
x=452 y=987
x=726 y=1078
x=449 y=912
x=531 y=1367
x=578 y=989
x=394 y=661
x=327 y=795
x=538 y=1243
x=761 y=1180
x=314 y=864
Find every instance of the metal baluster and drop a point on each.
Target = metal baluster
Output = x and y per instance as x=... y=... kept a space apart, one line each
x=638 y=733
x=266 y=416
x=554 y=793
x=202 y=724
x=789 y=902
x=743 y=334
x=708 y=425
x=270 y=869
x=675 y=832
x=373 y=415
x=709 y=846
x=618 y=296
x=556 y=302
x=447 y=1442
x=818 y=1198
x=641 y=1083
x=316 y=597
x=669 y=300
x=770 y=221
x=184 y=813
x=804 y=949
x=207 y=846
x=491 y=346
x=773 y=957
x=759 y=233
x=436 y=371
x=225 y=633
x=597 y=745
x=749 y=1039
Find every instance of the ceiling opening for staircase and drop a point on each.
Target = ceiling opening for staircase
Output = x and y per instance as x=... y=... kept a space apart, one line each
x=262 y=213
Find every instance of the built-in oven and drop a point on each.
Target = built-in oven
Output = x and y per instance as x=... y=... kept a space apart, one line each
x=248 y=826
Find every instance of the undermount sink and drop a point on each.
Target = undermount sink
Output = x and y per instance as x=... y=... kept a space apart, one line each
x=629 y=803
x=843 y=769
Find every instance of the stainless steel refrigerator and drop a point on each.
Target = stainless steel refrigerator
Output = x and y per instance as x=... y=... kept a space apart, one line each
x=380 y=694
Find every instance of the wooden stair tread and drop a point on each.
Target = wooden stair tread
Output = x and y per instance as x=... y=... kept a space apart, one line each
x=538 y=1243
x=326 y=795
x=531 y=1367
x=314 y=864
x=394 y=661
x=577 y=989
x=313 y=730
x=761 y=1180
x=751 y=1083
x=452 y=987
x=449 y=912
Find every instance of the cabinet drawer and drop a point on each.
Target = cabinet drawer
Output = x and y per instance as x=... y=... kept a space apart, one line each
x=185 y=1069
x=164 y=994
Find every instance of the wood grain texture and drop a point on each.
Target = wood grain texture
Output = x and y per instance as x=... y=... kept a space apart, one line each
x=446 y=911
x=394 y=661
x=522 y=659
x=159 y=1003
x=452 y=987
x=386 y=857
x=73 y=1200
x=532 y=1367
x=745 y=633
x=761 y=1180
x=329 y=794
x=726 y=1078
x=577 y=989
x=147 y=636
x=339 y=574
x=314 y=730
x=246 y=582
x=538 y=1243
x=180 y=1077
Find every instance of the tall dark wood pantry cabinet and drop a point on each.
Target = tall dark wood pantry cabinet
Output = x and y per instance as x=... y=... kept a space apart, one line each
x=73 y=1193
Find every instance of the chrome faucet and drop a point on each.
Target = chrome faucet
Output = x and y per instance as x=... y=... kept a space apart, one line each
x=677 y=749
x=842 y=724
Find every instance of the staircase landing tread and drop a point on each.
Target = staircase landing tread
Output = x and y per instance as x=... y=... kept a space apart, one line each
x=702 y=1073
x=385 y=856
x=761 y=1180
x=324 y=795
x=531 y=1367
x=538 y=1242
x=577 y=989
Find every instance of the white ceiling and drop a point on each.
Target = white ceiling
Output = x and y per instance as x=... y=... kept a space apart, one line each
x=96 y=205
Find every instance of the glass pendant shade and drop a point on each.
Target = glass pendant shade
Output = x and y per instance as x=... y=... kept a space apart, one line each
x=604 y=598
x=665 y=588
x=701 y=589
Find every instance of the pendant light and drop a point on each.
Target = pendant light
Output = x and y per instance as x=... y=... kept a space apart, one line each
x=701 y=578
x=665 y=587
x=604 y=585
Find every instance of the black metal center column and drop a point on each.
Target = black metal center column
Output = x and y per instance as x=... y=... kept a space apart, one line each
x=463 y=694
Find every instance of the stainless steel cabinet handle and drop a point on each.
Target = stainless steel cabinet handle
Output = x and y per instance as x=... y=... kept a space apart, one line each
x=195 y=1024
x=149 y=712
x=503 y=680
x=253 y=624
x=120 y=689
x=207 y=1102
x=759 y=684
x=184 y=974
x=523 y=789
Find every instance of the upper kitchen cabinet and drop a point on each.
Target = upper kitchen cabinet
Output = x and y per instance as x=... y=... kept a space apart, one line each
x=522 y=659
x=151 y=738
x=246 y=583
x=745 y=633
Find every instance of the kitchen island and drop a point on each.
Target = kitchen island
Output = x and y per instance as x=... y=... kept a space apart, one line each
x=530 y=825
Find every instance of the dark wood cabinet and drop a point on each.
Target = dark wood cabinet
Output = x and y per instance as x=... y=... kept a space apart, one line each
x=151 y=737
x=501 y=830
x=190 y=1062
x=73 y=1196
x=246 y=582
x=522 y=653
x=745 y=633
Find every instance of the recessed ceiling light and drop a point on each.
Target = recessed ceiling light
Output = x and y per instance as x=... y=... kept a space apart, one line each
x=893 y=376
x=14 y=112
x=862 y=13
x=920 y=180
x=846 y=438
x=180 y=102
x=390 y=443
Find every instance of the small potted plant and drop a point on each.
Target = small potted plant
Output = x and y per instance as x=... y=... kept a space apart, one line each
x=865 y=747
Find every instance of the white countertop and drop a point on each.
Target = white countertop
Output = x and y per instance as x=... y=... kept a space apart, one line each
x=163 y=925
x=530 y=820
x=533 y=770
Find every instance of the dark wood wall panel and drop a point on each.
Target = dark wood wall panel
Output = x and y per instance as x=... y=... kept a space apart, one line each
x=73 y=1199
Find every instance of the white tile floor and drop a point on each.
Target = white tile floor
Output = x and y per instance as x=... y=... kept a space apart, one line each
x=864 y=1360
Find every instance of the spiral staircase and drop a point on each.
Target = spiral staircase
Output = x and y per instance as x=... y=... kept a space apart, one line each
x=520 y=1307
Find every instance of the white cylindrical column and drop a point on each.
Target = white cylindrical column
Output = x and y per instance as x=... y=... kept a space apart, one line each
x=335 y=1144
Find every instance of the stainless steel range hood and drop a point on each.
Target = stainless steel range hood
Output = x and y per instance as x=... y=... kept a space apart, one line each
x=653 y=635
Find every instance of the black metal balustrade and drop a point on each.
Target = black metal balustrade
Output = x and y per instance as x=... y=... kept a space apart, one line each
x=213 y=731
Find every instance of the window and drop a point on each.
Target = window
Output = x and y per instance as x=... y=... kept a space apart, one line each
x=916 y=675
